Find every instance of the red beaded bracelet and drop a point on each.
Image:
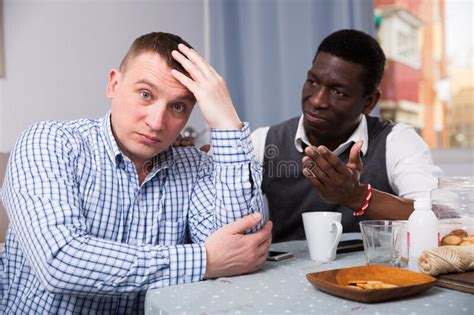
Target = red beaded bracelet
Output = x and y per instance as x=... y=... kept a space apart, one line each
x=366 y=203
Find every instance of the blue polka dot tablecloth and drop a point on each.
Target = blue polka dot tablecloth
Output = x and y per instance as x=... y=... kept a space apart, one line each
x=281 y=288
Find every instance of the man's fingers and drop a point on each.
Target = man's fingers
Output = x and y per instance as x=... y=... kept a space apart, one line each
x=321 y=163
x=309 y=164
x=194 y=71
x=321 y=169
x=192 y=54
x=317 y=171
x=311 y=152
x=266 y=245
x=329 y=162
x=314 y=180
x=245 y=223
x=184 y=80
x=261 y=259
x=197 y=59
x=355 y=162
x=262 y=236
x=265 y=233
x=262 y=251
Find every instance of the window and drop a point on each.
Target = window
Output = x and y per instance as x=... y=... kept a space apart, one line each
x=407 y=45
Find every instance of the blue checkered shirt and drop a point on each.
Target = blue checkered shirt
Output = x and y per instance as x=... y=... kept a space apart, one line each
x=86 y=238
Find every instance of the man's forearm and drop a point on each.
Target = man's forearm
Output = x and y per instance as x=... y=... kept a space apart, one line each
x=384 y=206
x=72 y=262
x=237 y=176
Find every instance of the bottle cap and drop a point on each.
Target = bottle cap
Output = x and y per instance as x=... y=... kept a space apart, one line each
x=422 y=203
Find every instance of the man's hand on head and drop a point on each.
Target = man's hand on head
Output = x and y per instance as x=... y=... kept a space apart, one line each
x=335 y=181
x=208 y=87
x=230 y=252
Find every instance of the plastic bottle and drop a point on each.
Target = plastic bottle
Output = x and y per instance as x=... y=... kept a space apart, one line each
x=422 y=233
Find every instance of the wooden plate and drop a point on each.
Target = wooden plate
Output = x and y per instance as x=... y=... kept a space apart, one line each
x=336 y=282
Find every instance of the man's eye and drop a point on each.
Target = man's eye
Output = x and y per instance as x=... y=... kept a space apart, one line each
x=337 y=92
x=145 y=95
x=178 y=107
x=312 y=82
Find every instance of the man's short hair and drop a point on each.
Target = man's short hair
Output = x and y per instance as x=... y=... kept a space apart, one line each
x=156 y=42
x=360 y=48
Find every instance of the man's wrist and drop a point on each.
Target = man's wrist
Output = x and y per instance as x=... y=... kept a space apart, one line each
x=368 y=197
x=207 y=272
x=228 y=125
x=358 y=198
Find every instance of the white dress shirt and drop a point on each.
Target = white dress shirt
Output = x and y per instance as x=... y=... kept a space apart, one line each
x=410 y=169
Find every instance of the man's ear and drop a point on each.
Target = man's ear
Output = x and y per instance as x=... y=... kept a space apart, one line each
x=371 y=101
x=114 y=78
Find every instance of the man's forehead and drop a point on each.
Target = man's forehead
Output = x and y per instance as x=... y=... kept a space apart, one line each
x=178 y=91
x=152 y=70
x=335 y=67
x=334 y=61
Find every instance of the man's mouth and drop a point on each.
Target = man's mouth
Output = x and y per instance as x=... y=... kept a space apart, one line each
x=314 y=117
x=149 y=139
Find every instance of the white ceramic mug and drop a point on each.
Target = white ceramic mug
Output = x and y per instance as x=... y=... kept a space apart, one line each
x=323 y=232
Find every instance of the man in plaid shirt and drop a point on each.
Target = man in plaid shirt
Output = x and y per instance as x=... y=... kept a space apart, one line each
x=102 y=210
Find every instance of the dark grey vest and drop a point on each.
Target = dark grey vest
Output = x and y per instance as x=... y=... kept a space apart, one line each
x=290 y=194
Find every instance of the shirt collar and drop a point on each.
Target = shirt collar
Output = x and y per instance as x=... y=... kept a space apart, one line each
x=160 y=161
x=112 y=147
x=360 y=133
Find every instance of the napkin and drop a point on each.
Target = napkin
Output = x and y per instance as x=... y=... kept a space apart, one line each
x=447 y=259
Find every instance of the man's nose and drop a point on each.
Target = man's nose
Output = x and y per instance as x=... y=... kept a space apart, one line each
x=319 y=98
x=156 y=117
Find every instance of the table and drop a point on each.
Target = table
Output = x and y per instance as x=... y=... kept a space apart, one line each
x=281 y=288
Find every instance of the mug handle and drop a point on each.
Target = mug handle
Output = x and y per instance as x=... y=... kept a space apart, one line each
x=338 y=226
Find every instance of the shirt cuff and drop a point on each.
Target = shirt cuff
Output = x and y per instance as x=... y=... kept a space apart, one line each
x=187 y=263
x=232 y=145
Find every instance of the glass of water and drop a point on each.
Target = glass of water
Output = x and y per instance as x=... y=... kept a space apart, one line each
x=383 y=242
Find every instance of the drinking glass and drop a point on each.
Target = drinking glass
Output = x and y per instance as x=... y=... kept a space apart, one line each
x=382 y=242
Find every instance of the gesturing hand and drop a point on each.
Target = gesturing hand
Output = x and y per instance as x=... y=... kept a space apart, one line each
x=208 y=87
x=231 y=252
x=335 y=181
